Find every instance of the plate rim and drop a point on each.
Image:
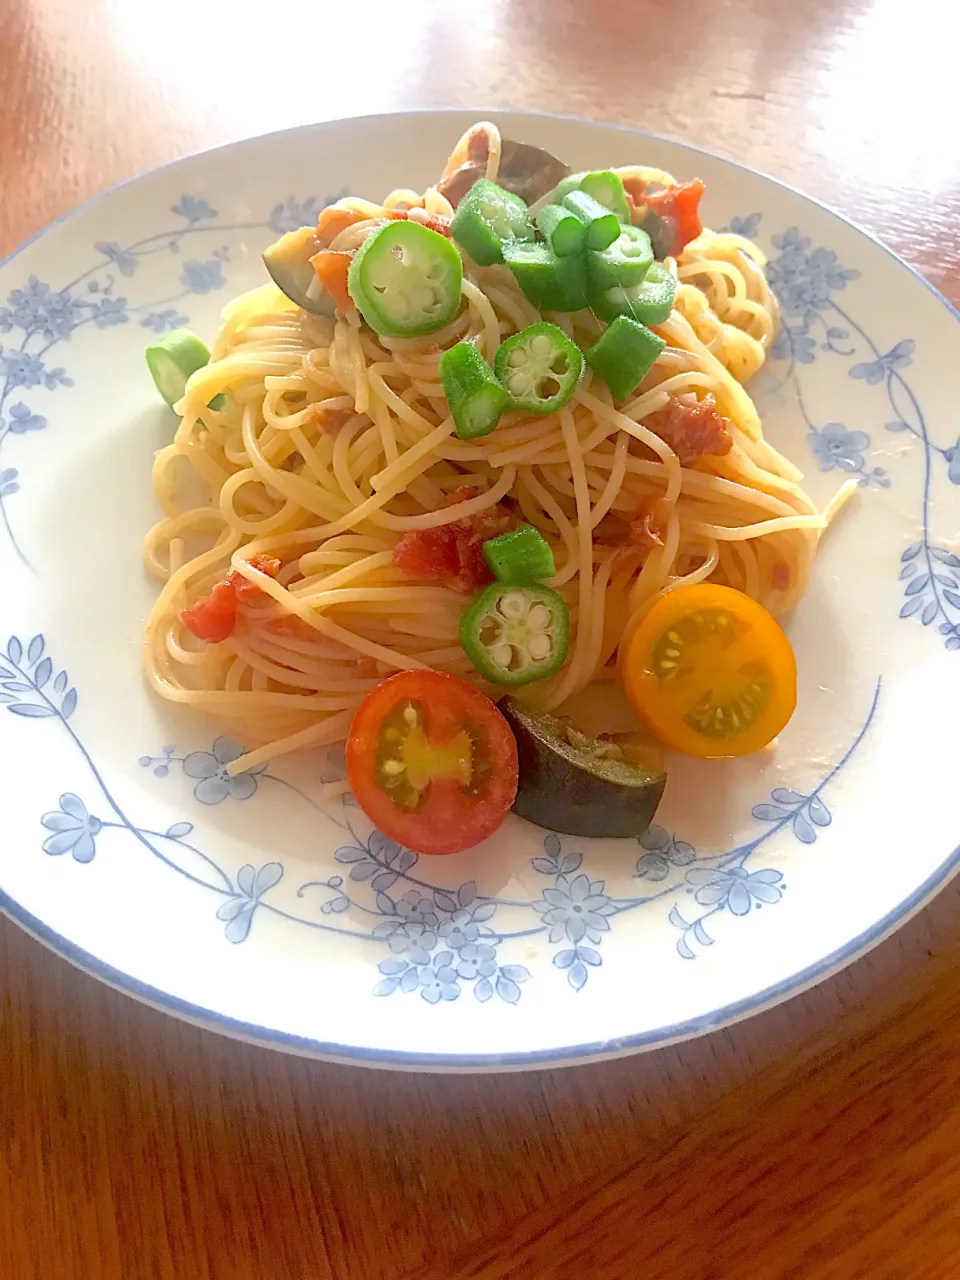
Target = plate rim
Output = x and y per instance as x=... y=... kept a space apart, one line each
x=530 y=1060
x=537 y=1059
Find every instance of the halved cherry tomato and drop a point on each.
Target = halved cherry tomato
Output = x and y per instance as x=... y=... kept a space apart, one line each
x=711 y=672
x=432 y=762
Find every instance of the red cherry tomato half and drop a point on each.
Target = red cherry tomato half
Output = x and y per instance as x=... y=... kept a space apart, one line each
x=432 y=762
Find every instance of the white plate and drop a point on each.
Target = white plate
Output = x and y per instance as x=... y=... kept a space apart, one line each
x=243 y=905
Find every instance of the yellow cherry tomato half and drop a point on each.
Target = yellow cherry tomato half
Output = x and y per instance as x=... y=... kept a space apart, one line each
x=711 y=672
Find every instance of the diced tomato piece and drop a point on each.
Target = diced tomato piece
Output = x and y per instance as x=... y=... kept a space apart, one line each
x=426 y=553
x=648 y=529
x=453 y=553
x=214 y=616
x=435 y=221
x=692 y=428
x=333 y=220
x=681 y=205
x=330 y=420
x=269 y=565
x=635 y=538
x=677 y=206
x=612 y=530
x=332 y=267
x=247 y=590
x=462 y=493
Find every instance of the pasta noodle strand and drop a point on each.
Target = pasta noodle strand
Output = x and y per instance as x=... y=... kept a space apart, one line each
x=334 y=443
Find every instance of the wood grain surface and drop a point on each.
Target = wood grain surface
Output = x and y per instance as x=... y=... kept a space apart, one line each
x=818 y=1140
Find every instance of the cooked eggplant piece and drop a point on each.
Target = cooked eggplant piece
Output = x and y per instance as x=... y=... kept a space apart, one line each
x=661 y=234
x=288 y=261
x=528 y=171
x=579 y=785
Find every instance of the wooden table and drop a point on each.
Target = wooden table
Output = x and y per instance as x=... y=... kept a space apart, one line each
x=819 y=1140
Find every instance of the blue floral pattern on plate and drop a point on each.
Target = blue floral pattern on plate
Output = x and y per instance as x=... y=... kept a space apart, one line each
x=807 y=280
x=438 y=940
x=41 y=317
x=74 y=830
x=215 y=784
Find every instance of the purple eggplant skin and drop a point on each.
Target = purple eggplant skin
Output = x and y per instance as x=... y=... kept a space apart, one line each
x=567 y=788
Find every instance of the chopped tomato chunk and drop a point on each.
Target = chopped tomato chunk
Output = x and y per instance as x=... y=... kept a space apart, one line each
x=678 y=207
x=434 y=221
x=214 y=616
x=333 y=220
x=453 y=553
x=612 y=530
x=332 y=267
x=247 y=590
x=330 y=420
x=692 y=428
x=635 y=538
x=649 y=527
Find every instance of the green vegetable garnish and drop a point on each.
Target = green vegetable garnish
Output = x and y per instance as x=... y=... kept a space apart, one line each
x=623 y=354
x=602 y=226
x=625 y=262
x=515 y=634
x=522 y=555
x=649 y=302
x=487 y=218
x=550 y=283
x=172 y=359
x=603 y=185
x=539 y=367
x=475 y=397
x=562 y=229
x=405 y=280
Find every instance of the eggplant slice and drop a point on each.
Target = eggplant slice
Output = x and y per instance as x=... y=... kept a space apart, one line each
x=528 y=171
x=288 y=261
x=578 y=785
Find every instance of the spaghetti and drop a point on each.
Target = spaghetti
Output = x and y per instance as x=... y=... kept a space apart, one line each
x=331 y=443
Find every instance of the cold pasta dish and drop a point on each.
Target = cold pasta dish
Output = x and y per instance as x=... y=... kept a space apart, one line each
x=472 y=484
